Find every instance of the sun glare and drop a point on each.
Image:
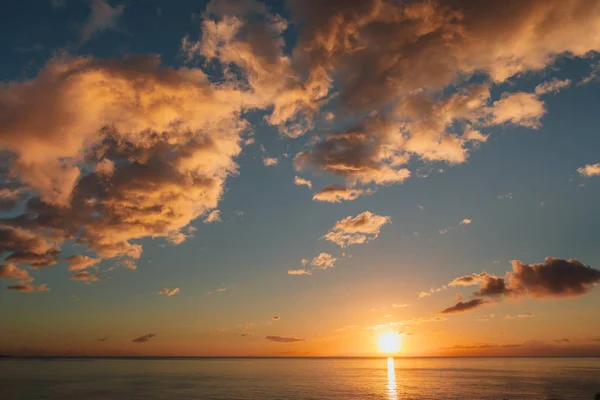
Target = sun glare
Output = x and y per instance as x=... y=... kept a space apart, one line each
x=389 y=342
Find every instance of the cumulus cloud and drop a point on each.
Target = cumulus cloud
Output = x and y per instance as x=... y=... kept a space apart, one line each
x=283 y=339
x=337 y=193
x=552 y=86
x=169 y=292
x=80 y=262
x=170 y=135
x=302 y=182
x=102 y=17
x=107 y=152
x=464 y=306
x=144 y=338
x=357 y=230
x=590 y=170
x=10 y=271
x=555 y=278
x=323 y=261
x=269 y=161
x=519 y=109
x=436 y=43
x=299 y=272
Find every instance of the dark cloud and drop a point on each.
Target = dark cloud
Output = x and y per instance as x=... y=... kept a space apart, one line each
x=283 y=339
x=563 y=340
x=102 y=339
x=144 y=338
x=553 y=278
x=464 y=306
x=28 y=288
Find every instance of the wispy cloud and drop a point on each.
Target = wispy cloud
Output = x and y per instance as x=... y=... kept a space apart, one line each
x=169 y=292
x=102 y=17
x=144 y=338
x=284 y=339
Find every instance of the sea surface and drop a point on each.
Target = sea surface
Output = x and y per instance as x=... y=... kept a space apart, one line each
x=300 y=378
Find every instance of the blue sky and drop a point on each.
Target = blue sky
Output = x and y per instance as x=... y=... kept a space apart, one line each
x=520 y=191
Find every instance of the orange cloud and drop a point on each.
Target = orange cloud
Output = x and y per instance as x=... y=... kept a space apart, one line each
x=337 y=193
x=357 y=230
x=283 y=339
x=81 y=262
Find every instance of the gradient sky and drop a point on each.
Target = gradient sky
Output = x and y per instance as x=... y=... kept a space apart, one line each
x=247 y=178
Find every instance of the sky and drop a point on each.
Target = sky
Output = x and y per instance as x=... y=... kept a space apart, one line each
x=241 y=178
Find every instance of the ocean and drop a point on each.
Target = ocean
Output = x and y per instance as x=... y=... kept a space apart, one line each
x=300 y=378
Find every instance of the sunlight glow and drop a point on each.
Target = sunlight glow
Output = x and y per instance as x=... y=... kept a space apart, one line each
x=389 y=342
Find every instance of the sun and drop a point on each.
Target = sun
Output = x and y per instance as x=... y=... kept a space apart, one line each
x=389 y=342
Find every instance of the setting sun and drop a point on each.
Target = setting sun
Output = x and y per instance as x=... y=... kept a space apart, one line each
x=389 y=342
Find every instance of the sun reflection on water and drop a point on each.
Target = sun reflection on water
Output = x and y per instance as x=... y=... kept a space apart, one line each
x=392 y=389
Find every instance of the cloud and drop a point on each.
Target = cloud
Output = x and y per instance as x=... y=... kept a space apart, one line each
x=464 y=306
x=85 y=276
x=28 y=288
x=466 y=221
x=432 y=291
x=522 y=315
x=552 y=86
x=81 y=262
x=590 y=170
x=563 y=340
x=357 y=230
x=519 y=109
x=171 y=159
x=276 y=318
x=594 y=74
x=102 y=339
x=555 y=278
x=337 y=193
x=299 y=272
x=323 y=261
x=223 y=289
x=269 y=161
x=283 y=339
x=213 y=216
x=490 y=285
x=102 y=17
x=302 y=182
x=400 y=305
x=10 y=271
x=144 y=338
x=169 y=292
x=396 y=86
x=25 y=247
